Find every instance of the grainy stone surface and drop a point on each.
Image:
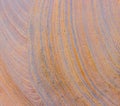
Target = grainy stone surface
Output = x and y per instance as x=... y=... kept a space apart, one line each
x=59 y=53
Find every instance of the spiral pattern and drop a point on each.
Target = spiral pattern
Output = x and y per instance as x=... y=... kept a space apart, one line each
x=60 y=53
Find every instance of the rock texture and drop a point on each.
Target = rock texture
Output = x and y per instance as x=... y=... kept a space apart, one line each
x=59 y=53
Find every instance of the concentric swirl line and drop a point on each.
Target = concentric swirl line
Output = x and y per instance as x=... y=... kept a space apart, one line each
x=59 y=53
x=62 y=38
x=112 y=41
x=32 y=30
x=116 y=80
x=14 y=54
x=114 y=35
x=51 y=70
x=103 y=47
x=40 y=39
x=10 y=91
x=57 y=57
x=66 y=62
x=74 y=52
x=14 y=18
x=90 y=38
x=73 y=44
x=39 y=11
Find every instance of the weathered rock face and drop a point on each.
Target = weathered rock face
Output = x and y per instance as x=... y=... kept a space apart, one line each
x=59 y=53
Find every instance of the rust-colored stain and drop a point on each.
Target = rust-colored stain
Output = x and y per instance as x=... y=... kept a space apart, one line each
x=59 y=53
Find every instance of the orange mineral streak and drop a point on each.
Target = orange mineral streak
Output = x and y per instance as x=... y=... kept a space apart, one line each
x=59 y=53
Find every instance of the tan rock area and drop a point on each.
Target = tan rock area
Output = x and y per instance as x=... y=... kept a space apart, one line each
x=59 y=53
